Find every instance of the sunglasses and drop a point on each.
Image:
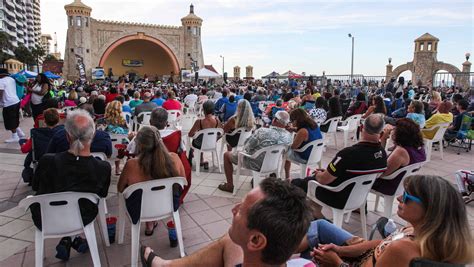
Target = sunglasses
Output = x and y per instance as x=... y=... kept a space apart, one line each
x=407 y=197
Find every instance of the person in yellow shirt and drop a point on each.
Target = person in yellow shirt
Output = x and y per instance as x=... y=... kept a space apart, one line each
x=442 y=116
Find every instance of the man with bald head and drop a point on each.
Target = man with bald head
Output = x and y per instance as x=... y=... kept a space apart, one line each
x=365 y=157
x=73 y=170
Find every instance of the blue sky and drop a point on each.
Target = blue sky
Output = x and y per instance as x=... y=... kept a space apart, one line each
x=308 y=36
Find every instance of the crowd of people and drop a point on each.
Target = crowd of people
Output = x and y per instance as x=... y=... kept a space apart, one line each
x=274 y=221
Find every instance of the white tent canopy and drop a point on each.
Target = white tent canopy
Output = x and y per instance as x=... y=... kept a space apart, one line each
x=205 y=73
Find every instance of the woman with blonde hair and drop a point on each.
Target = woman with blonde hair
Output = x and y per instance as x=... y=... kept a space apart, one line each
x=435 y=101
x=154 y=161
x=71 y=99
x=438 y=230
x=243 y=118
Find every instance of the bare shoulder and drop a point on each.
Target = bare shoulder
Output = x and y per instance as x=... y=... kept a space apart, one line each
x=399 y=253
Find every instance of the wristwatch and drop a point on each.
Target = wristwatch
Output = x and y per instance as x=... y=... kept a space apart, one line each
x=344 y=264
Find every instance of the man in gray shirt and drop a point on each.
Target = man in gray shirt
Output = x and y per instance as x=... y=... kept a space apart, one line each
x=146 y=106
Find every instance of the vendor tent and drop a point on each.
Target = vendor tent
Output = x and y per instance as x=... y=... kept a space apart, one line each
x=205 y=73
x=51 y=75
x=292 y=75
x=28 y=74
x=272 y=75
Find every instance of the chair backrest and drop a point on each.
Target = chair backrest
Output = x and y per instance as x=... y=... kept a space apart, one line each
x=419 y=262
x=273 y=156
x=353 y=121
x=173 y=115
x=60 y=213
x=244 y=135
x=99 y=155
x=209 y=138
x=66 y=109
x=441 y=129
x=157 y=197
x=405 y=171
x=362 y=186
x=317 y=147
x=144 y=118
x=333 y=124
x=127 y=116
x=262 y=105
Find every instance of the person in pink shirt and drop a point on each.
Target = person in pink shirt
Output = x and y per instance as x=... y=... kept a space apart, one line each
x=71 y=99
x=171 y=103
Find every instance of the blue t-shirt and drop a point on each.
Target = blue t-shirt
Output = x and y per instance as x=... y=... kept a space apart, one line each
x=418 y=118
x=126 y=108
x=313 y=134
x=158 y=101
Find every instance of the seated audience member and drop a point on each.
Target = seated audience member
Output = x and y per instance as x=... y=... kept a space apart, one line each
x=377 y=106
x=73 y=170
x=228 y=109
x=125 y=108
x=334 y=110
x=71 y=100
x=261 y=138
x=358 y=107
x=243 y=118
x=409 y=149
x=221 y=101
x=307 y=130
x=146 y=105
x=99 y=105
x=367 y=156
x=158 y=100
x=209 y=121
x=266 y=229
x=438 y=230
x=42 y=137
x=442 y=116
x=274 y=109
x=154 y=161
x=415 y=112
x=456 y=125
x=318 y=113
x=135 y=101
x=462 y=177
x=111 y=95
x=435 y=101
x=260 y=96
x=100 y=143
x=171 y=103
x=190 y=99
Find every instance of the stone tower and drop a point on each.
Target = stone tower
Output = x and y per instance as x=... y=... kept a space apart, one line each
x=236 y=73
x=249 y=72
x=193 y=56
x=77 y=57
x=425 y=57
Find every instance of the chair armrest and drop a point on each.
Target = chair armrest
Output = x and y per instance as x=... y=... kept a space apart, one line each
x=314 y=184
x=308 y=145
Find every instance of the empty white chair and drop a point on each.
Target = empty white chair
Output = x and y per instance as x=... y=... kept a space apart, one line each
x=143 y=118
x=332 y=129
x=173 y=117
x=244 y=135
x=156 y=204
x=271 y=163
x=315 y=156
x=208 y=144
x=437 y=138
x=389 y=199
x=60 y=217
x=357 y=198
x=350 y=126
x=191 y=106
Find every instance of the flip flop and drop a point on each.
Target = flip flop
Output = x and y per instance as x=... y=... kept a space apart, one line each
x=150 y=232
x=226 y=187
x=149 y=260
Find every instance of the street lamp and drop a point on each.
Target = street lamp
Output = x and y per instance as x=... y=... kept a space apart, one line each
x=352 y=60
x=468 y=55
x=222 y=65
x=389 y=60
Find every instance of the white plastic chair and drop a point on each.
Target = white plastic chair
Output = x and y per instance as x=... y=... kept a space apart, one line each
x=128 y=119
x=271 y=163
x=99 y=155
x=388 y=200
x=332 y=129
x=67 y=109
x=350 y=126
x=209 y=144
x=60 y=217
x=244 y=135
x=191 y=105
x=315 y=157
x=437 y=138
x=156 y=204
x=173 y=117
x=144 y=118
x=357 y=198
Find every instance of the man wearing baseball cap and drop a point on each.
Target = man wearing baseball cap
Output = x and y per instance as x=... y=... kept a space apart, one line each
x=11 y=106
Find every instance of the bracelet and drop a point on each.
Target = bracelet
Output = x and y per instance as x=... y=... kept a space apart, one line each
x=344 y=264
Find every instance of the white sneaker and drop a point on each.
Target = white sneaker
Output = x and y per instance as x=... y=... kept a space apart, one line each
x=14 y=138
x=20 y=133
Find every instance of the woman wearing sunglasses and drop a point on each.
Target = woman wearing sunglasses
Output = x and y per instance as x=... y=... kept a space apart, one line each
x=438 y=230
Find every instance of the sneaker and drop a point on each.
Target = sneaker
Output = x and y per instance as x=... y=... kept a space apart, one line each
x=20 y=133
x=13 y=139
x=63 y=249
x=80 y=244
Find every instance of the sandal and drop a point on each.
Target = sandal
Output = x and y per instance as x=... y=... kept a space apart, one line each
x=149 y=260
x=205 y=165
x=150 y=232
x=80 y=244
x=226 y=187
x=63 y=249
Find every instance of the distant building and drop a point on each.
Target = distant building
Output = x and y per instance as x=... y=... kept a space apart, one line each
x=21 y=20
x=46 y=43
x=13 y=65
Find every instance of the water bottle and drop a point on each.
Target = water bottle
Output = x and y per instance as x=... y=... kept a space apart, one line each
x=390 y=227
x=172 y=234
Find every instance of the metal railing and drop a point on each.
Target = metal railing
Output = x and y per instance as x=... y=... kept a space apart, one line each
x=445 y=79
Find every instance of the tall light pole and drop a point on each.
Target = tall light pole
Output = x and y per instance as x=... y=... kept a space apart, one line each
x=222 y=65
x=352 y=60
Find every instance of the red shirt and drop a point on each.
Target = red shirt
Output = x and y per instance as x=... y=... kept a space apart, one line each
x=172 y=104
x=110 y=97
